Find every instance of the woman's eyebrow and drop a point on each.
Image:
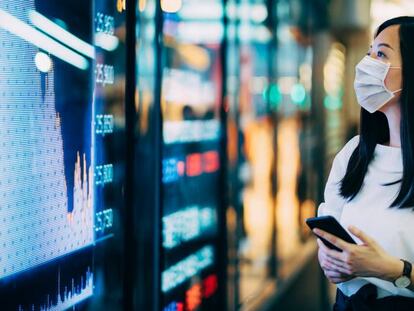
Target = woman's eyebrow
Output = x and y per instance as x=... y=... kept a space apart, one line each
x=386 y=45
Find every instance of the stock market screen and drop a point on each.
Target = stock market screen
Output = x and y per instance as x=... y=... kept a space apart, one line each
x=191 y=102
x=61 y=102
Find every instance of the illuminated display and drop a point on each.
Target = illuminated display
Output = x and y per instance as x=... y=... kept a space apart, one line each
x=54 y=215
x=187 y=268
x=194 y=295
x=104 y=220
x=190 y=131
x=104 y=74
x=104 y=124
x=172 y=169
x=104 y=23
x=194 y=164
x=188 y=224
x=175 y=306
x=188 y=87
x=191 y=154
x=210 y=285
x=57 y=176
x=104 y=174
x=71 y=295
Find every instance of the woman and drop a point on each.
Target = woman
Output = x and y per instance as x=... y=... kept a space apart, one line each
x=370 y=189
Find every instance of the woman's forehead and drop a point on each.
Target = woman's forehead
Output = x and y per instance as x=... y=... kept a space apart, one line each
x=389 y=36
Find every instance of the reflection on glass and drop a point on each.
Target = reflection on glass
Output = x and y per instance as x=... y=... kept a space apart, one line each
x=258 y=203
x=252 y=130
x=270 y=123
x=295 y=146
x=190 y=101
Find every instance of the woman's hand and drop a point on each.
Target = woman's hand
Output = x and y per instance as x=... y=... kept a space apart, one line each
x=366 y=260
x=328 y=266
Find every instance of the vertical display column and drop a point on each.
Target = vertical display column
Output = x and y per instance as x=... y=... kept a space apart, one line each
x=191 y=102
x=108 y=99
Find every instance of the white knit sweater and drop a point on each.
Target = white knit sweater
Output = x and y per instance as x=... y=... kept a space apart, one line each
x=370 y=211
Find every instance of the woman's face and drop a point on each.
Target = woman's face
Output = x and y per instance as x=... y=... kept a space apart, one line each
x=386 y=48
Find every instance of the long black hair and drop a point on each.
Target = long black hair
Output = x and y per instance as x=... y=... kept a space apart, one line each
x=374 y=127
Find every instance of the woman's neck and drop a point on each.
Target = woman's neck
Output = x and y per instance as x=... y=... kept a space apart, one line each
x=393 y=115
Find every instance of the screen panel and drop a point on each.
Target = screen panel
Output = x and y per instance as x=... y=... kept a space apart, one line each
x=255 y=196
x=61 y=103
x=191 y=103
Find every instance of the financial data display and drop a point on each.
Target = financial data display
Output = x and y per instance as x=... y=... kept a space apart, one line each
x=191 y=101
x=57 y=175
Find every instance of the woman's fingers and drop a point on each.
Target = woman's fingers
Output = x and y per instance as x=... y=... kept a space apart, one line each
x=331 y=260
x=333 y=267
x=340 y=268
x=333 y=274
x=337 y=256
x=333 y=239
x=336 y=277
x=328 y=263
x=333 y=254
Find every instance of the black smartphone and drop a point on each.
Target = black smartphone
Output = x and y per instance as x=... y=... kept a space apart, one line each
x=331 y=225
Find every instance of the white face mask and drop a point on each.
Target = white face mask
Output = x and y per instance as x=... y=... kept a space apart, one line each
x=369 y=84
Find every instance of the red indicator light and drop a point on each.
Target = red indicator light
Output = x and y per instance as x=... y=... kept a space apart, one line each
x=210 y=285
x=211 y=161
x=181 y=168
x=194 y=164
x=193 y=297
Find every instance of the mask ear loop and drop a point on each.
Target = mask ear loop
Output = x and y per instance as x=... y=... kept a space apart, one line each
x=395 y=67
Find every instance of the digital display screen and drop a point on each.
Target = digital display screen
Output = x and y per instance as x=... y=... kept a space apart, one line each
x=58 y=175
x=191 y=103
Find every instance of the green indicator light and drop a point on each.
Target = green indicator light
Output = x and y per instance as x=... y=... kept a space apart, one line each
x=298 y=94
x=332 y=102
x=275 y=97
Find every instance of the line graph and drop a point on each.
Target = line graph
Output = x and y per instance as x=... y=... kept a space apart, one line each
x=77 y=291
x=37 y=223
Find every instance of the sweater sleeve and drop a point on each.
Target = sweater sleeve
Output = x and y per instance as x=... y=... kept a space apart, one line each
x=333 y=201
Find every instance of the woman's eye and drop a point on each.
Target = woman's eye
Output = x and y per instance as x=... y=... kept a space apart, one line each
x=380 y=54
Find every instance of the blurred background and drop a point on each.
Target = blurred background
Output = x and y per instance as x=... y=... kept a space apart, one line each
x=206 y=130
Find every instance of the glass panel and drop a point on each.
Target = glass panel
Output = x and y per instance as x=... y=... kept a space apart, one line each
x=191 y=99
x=234 y=134
x=109 y=128
x=59 y=173
x=255 y=202
x=146 y=186
x=296 y=174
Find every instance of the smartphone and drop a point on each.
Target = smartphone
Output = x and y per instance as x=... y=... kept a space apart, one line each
x=332 y=226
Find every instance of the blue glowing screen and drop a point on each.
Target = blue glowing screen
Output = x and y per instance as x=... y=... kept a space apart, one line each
x=56 y=174
x=45 y=162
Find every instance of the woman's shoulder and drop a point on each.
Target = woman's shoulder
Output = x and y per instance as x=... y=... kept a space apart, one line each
x=351 y=144
x=345 y=153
